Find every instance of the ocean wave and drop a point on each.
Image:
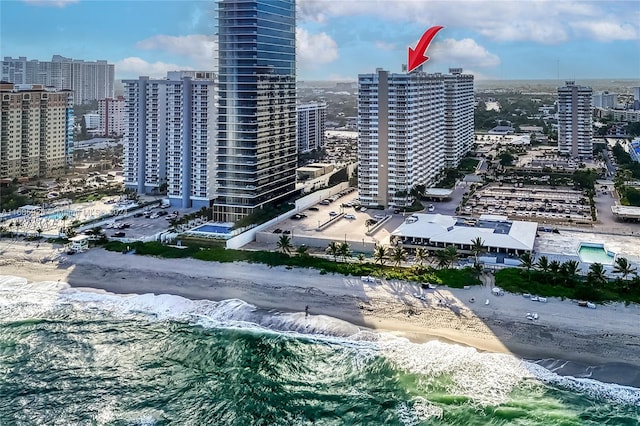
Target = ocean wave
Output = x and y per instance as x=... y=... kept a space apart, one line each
x=485 y=378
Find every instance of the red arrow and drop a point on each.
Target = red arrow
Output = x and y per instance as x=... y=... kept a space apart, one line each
x=418 y=57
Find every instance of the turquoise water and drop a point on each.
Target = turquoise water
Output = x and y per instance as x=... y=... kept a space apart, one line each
x=58 y=215
x=73 y=357
x=595 y=254
x=213 y=229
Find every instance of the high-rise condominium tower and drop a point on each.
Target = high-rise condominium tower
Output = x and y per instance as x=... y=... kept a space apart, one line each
x=311 y=126
x=458 y=115
x=111 y=112
x=575 y=132
x=89 y=81
x=169 y=134
x=37 y=131
x=401 y=139
x=256 y=152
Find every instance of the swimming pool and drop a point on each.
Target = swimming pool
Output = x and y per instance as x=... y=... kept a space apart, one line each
x=59 y=215
x=214 y=228
x=592 y=253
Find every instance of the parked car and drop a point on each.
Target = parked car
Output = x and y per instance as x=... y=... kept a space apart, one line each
x=313 y=209
x=333 y=214
x=138 y=214
x=119 y=234
x=349 y=216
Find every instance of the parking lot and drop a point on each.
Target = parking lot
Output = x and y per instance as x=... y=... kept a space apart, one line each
x=339 y=220
x=553 y=205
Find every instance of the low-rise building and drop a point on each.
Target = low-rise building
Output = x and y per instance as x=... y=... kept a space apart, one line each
x=435 y=232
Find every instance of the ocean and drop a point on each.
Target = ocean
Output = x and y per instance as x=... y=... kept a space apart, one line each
x=73 y=357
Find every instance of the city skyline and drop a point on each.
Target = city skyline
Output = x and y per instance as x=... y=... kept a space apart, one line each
x=336 y=40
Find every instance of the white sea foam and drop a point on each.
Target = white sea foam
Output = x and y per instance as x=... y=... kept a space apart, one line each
x=608 y=391
x=485 y=378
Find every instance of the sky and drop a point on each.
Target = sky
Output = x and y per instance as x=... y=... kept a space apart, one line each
x=339 y=39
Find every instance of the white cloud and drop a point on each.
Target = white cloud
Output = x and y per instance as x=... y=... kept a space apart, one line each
x=464 y=53
x=314 y=49
x=198 y=47
x=603 y=30
x=133 y=67
x=55 y=3
x=382 y=45
x=544 y=21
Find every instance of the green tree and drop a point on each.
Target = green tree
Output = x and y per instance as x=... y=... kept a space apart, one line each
x=623 y=267
x=452 y=254
x=543 y=265
x=398 y=255
x=39 y=231
x=380 y=254
x=302 y=251
x=569 y=270
x=477 y=247
x=596 y=276
x=527 y=262
x=554 y=269
x=506 y=159
x=421 y=255
x=334 y=250
x=344 y=250
x=284 y=244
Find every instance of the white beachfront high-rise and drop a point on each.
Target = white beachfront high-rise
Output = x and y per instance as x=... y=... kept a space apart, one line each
x=169 y=137
x=400 y=135
x=458 y=115
x=311 y=126
x=575 y=131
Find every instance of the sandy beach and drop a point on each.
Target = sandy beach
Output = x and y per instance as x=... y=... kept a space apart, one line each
x=607 y=338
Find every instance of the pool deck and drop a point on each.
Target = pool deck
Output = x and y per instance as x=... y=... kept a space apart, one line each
x=565 y=245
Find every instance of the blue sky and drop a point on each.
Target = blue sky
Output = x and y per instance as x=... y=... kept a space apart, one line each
x=337 y=39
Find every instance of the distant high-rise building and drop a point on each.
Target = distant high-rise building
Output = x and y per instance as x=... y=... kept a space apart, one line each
x=458 y=115
x=169 y=137
x=605 y=100
x=36 y=125
x=311 y=119
x=636 y=98
x=112 y=116
x=401 y=136
x=257 y=153
x=91 y=120
x=575 y=131
x=89 y=81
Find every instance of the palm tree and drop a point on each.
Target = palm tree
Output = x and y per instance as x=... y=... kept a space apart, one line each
x=344 y=251
x=302 y=251
x=422 y=254
x=442 y=259
x=334 y=250
x=380 y=254
x=477 y=247
x=360 y=257
x=570 y=270
x=452 y=254
x=554 y=268
x=284 y=244
x=398 y=255
x=39 y=231
x=543 y=265
x=526 y=261
x=623 y=267
x=596 y=275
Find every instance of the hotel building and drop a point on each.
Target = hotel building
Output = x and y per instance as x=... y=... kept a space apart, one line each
x=89 y=81
x=169 y=137
x=401 y=135
x=257 y=146
x=36 y=127
x=311 y=126
x=575 y=131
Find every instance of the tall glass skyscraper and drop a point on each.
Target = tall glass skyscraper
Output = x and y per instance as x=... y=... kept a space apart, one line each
x=256 y=148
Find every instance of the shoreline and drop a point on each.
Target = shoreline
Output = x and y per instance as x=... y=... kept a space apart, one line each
x=603 y=342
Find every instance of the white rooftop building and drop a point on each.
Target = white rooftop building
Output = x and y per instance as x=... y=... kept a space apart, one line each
x=435 y=231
